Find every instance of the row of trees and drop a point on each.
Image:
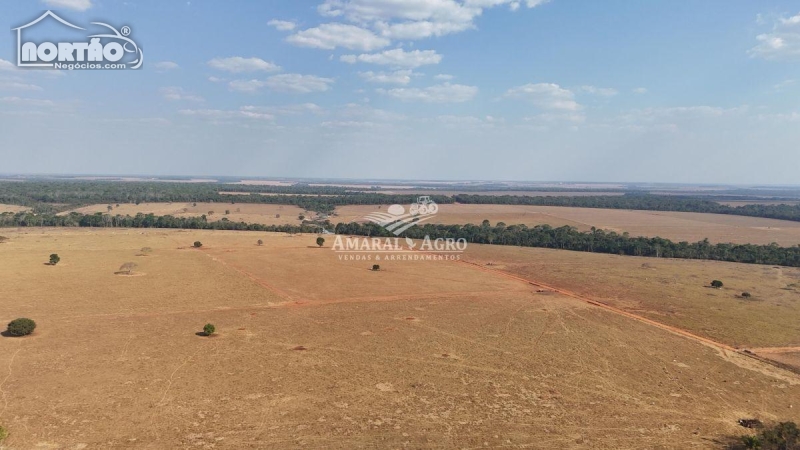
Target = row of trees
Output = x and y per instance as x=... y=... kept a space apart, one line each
x=639 y=201
x=565 y=238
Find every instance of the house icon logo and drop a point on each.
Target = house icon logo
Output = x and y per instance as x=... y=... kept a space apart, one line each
x=108 y=50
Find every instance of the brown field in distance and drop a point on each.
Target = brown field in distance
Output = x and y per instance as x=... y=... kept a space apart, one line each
x=239 y=212
x=313 y=351
x=676 y=226
x=12 y=208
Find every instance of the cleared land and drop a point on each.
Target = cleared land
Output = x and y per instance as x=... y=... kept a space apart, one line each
x=676 y=226
x=240 y=212
x=12 y=208
x=318 y=352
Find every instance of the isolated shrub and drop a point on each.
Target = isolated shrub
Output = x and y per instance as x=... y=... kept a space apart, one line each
x=301 y=217
x=197 y=244
x=746 y=295
x=146 y=250
x=783 y=436
x=716 y=284
x=260 y=242
x=127 y=268
x=3 y=239
x=320 y=241
x=277 y=216
x=3 y=434
x=376 y=267
x=227 y=211
x=21 y=327
x=209 y=329
x=54 y=259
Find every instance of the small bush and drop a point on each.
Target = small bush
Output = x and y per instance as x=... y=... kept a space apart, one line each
x=3 y=239
x=716 y=284
x=3 y=434
x=197 y=244
x=260 y=242
x=209 y=329
x=783 y=436
x=301 y=217
x=227 y=211
x=21 y=327
x=320 y=241
x=376 y=267
x=746 y=295
x=127 y=268
x=54 y=259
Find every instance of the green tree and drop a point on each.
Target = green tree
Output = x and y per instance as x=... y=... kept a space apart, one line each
x=746 y=295
x=320 y=241
x=3 y=434
x=376 y=267
x=21 y=327
x=209 y=329
x=716 y=284
x=197 y=244
x=54 y=259
x=260 y=242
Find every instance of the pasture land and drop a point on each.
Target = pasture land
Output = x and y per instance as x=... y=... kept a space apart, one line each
x=318 y=352
x=12 y=208
x=676 y=226
x=239 y=212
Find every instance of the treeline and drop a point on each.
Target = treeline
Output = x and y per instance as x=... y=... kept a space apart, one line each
x=47 y=197
x=640 y=202
x=544 y=236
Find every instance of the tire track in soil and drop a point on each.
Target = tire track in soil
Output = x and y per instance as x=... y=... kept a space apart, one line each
x=719 y=346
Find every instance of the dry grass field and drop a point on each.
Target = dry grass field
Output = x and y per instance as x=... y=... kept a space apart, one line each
x=12 y=208
x=240 y=212
x=676 y=226
x=317 y=352
x=671 y=291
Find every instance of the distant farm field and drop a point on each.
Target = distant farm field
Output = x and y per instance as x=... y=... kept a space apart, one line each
x=239 y=212
x=12 y=208
x=676 y=226
x=320 y=352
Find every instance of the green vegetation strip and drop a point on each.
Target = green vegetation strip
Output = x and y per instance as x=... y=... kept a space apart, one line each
x=544 y=236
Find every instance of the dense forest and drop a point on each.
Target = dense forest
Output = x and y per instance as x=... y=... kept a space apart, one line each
x=565 y=238
x=48 y=197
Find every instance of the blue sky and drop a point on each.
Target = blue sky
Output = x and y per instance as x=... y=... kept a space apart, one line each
x=669 y=91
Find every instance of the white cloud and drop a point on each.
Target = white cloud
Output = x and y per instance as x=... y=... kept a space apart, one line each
x=640 y=90
x=443 y=77
x=178 y=94
x=219 y=114
x=166 y=65
x=16 y=86
x=290 y=83
x=7 y=65
x=238 y=64
x=782 y=43
x=440 y=93
x=282 y=25
x=77 y=5
x=546 y=96
x=396 y=77
x=555 y=118
x=602 y=92
x=784 y=84
x=415 y=19
x=26 y=101
x=332 y=35
x=397 y=58
x=287 y=110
